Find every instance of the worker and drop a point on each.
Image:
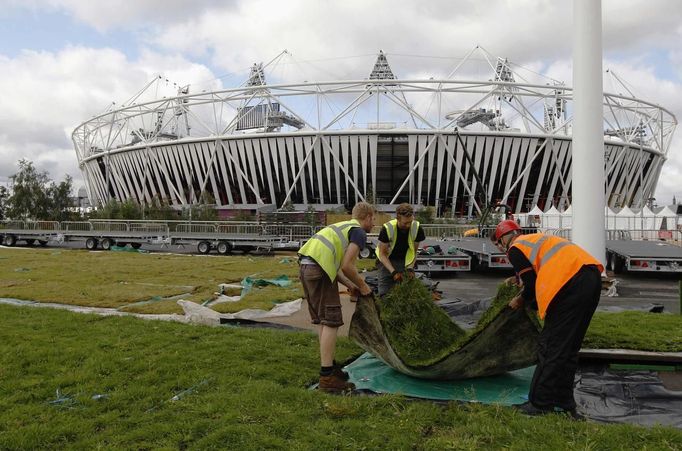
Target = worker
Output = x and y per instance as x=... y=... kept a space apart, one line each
x=326 y=259
x=397 y=251
x=563 y=282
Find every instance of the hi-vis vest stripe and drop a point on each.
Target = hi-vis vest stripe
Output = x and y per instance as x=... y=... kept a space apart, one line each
x=555 y=261
x=328 y=245
x=391 y=230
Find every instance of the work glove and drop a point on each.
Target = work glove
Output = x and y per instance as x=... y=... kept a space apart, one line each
x=409 y=273
x=354 y=293
x=397 y=276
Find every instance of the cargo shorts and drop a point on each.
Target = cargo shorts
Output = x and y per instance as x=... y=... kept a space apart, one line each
x=324 y=302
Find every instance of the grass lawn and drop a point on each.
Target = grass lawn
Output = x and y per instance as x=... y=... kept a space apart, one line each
x=141 y=283
x=251 y=393
x=127 y=280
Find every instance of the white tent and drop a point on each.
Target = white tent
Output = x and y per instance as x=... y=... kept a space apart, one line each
x=625 y=219
x=567 y=218
x=647 y=219
x=552 y=219
x=666 y=219
x=610 y=218
x=533 y=218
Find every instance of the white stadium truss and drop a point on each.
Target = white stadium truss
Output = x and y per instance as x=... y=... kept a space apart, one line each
x=453 y=144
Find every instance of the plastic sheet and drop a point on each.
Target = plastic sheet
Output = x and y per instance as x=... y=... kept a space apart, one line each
x=248 y=283
x=603 y=394
x=370 y=373
x=635 y=397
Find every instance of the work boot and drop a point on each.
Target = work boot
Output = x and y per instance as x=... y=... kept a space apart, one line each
x=528 y=408
x=573 y=415
x=335 y=384
x=338 y=372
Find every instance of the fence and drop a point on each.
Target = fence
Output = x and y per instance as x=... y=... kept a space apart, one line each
x=300 y=232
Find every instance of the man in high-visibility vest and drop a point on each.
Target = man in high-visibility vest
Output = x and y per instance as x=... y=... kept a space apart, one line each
x=563 y=282
x=397 y=251
x=326 y=259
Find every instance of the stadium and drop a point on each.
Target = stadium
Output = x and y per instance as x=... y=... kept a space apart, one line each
x=457 y=142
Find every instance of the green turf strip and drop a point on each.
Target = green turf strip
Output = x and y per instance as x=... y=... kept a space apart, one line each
x=256 y=396
x=420 y=332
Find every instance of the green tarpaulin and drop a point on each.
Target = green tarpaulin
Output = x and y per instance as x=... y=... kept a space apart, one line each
x=406 y=331
x=370 y=373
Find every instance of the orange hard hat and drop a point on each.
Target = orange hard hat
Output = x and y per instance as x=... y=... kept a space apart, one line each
x=504 y=228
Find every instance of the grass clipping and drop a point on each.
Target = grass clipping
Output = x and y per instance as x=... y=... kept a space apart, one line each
x=420 y=332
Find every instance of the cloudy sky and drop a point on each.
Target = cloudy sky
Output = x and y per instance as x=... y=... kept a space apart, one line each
x=62 y=61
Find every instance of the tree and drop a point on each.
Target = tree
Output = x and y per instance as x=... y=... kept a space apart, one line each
x=58 y=196
x=128 y=209
x=29 y=199
x=36 y=197
x=3 y=201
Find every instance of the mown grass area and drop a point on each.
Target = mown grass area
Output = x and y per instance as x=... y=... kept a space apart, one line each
x=125 y=279
x=635 y=330
x=251 y=393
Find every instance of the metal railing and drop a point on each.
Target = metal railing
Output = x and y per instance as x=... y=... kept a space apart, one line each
x=301 y=232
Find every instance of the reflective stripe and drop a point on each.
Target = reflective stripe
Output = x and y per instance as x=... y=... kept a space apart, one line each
x=326 y=242
x=550 y=253
x=339 y=233
x=413 y=230
x=390 y=231
x=534 y=247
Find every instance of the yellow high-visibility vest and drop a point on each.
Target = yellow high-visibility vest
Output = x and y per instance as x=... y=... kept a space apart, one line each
x=392 y=232
x=328 y=245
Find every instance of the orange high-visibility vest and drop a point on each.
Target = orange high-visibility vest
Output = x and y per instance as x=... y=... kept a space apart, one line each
x=555 y=260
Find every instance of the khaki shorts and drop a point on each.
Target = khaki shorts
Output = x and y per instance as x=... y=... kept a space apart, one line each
x=324 y=303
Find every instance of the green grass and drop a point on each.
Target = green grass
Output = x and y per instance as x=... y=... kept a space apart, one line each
x=420 y=332
x=118 y=279
x=254 y=397
x=635 y=330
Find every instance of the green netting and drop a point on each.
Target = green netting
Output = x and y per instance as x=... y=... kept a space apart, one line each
x=248 y=283
x=412 y=335
x=370 y=373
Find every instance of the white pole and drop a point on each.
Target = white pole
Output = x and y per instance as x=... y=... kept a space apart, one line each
x=588 y=131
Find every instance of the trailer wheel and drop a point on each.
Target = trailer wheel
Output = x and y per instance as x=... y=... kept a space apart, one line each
x=136 y=245
x=204 y=247
x=366 y=252
x=10 y=240
x=121 y=244
x=91 y=244
x=107 y=243
x=618 y=264
x=224 y=248
x=43 y=243
x=30 y=242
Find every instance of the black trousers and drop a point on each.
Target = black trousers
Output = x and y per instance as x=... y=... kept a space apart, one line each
x=385 y=278
x=566 y=322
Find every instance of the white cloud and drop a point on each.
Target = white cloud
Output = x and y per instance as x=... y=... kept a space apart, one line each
x=51 y=93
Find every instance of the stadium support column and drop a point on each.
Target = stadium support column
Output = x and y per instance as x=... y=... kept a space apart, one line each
x=588 y=130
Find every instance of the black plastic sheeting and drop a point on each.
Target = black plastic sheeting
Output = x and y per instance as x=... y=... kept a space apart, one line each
x=630 y=396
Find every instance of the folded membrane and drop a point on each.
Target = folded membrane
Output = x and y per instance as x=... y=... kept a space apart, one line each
x=410 y=333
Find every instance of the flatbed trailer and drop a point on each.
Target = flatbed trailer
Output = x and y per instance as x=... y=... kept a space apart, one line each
x=643 y=256
x=225 y=243
x=483 y=253
x=445 y=260
x=105 y=235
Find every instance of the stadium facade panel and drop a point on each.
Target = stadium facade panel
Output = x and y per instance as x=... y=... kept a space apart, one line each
x=380 y=139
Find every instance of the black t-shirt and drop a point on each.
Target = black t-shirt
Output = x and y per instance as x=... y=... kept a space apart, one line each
x=401 y=246
x=358 y=236
x=520 y=262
